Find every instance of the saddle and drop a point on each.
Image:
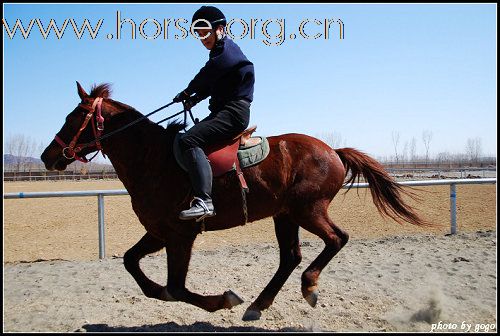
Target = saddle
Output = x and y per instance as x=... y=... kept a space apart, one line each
x=239 y=152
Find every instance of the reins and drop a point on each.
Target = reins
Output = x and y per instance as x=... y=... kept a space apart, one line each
x=185 y=111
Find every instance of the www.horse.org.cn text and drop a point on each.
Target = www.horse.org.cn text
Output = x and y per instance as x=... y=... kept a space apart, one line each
x=271 y=32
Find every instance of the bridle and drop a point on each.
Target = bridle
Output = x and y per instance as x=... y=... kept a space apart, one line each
x=94 y=113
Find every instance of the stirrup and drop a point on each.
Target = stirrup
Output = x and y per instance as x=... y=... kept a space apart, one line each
x=204 y=206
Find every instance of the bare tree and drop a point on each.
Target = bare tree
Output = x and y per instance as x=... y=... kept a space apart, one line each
x=21 y=148
x=473 y=149
x=404 y=155
x=9 y=145
x=413 y=149
x=444 y=158
x=334 y=140
x=479 y=149
x=395 y=142
x=30 y=152
x=426 y=138
x=16 y=145
x=460 y=159
x=41 y=147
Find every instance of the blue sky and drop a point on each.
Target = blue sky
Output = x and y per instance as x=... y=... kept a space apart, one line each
x=405 y=68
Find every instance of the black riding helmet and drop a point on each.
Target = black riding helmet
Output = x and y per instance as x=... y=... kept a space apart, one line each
x=211 y=14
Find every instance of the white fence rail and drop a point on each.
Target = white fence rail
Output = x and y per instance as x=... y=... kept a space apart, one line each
x=120 y=192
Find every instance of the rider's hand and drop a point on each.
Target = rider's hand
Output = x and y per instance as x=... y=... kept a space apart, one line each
x=190 y=102
x=180 y=97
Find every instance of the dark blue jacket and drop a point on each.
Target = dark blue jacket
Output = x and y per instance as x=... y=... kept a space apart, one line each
x=228 y=75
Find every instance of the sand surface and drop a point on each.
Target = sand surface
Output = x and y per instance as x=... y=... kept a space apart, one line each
x=389 y=277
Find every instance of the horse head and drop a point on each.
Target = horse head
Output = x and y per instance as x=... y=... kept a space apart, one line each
x=82 y=126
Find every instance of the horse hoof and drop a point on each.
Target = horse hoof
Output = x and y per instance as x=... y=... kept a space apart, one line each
x=165 y=295
x=251 y=315
x=232 y=298
x=312 y=298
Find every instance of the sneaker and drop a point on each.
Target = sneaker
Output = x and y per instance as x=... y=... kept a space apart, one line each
x=199 y=210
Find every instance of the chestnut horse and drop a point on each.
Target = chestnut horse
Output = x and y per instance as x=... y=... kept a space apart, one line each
x=294 y=184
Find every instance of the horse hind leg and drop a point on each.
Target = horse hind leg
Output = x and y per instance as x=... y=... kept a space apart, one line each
x=146 y=245
x=316 y=220
x=287 y=233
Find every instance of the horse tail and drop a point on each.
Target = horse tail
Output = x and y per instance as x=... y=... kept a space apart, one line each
x=386 y=193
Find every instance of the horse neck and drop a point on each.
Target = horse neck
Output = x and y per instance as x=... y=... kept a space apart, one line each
x=142 y=149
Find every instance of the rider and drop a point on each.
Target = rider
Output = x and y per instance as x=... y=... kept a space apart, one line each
x=228 y=78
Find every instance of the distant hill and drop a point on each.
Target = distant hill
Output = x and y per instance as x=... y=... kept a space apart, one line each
x=11 y=159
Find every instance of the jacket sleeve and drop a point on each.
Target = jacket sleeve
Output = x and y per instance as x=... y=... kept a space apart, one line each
x=202 y=95
x=203 y=80
x=218 y=65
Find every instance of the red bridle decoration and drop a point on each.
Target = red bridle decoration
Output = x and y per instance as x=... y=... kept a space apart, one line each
x=70 y=151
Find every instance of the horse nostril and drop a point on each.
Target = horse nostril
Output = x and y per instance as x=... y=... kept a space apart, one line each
x=47 y=158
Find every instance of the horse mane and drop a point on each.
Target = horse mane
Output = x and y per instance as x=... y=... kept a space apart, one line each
x=102 y=90
x=174 y=127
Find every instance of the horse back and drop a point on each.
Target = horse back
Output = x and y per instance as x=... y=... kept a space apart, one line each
x=298 y=168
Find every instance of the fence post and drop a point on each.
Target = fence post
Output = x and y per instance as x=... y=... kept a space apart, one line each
x=453 y=207
x=100 y=210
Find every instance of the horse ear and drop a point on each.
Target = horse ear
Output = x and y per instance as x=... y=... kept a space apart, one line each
x=81 y=91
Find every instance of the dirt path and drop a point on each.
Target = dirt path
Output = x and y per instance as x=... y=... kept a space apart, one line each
x=405 y=283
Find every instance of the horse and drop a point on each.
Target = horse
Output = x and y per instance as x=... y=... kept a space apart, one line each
x=294 y=184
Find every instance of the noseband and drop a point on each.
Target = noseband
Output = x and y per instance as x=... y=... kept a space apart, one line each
x=70 y=151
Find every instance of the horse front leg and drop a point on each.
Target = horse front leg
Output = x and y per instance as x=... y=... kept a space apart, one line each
x=178 y=255
x=148 y=244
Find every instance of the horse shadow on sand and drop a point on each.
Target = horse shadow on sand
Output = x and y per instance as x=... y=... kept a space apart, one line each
x=174 y=327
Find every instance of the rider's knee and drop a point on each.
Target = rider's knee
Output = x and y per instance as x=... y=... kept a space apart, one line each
x=186 y=143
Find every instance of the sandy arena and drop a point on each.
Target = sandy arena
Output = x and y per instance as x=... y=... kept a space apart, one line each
x=389 y=277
